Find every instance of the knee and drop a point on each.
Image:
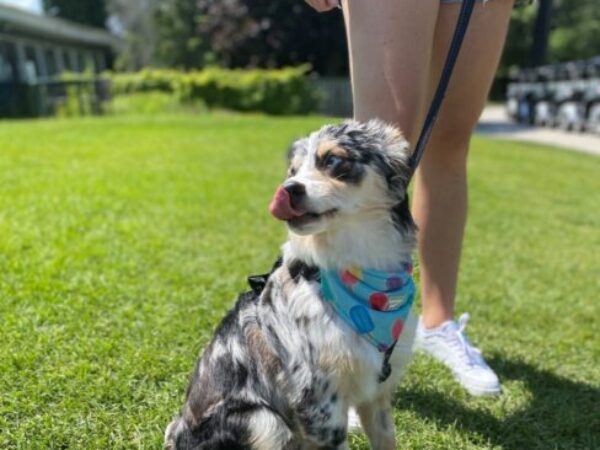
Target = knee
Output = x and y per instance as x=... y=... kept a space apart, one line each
x=448 y=146
x=454 y=130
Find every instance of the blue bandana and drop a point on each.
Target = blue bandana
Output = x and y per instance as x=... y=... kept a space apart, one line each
x=374 y=303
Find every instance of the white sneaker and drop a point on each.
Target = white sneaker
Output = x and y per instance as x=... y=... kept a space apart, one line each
x=449 y=344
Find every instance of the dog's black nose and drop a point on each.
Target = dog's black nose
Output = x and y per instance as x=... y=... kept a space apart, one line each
x=297 y=192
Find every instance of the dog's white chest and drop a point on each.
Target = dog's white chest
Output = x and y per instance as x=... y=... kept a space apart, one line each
x=354 y=364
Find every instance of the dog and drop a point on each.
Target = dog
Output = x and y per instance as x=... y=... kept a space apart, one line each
x=285 y=366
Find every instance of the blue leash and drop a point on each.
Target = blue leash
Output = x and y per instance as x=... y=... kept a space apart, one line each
x=462 y=24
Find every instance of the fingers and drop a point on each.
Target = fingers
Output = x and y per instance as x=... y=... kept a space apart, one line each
x=319 y=5
x=323 y=5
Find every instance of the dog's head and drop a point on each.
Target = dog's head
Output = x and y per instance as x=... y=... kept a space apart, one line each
x=342 y=173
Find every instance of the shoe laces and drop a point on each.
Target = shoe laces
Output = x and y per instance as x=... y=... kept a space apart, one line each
x=466 y=352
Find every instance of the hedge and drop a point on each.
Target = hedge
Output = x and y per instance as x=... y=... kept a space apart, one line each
x=273 y=91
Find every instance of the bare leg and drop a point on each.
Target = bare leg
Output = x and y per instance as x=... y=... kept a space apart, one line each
x=390 y=44
x=440 y=198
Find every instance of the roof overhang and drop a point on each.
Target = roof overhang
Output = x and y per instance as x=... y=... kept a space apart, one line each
x=18 y=22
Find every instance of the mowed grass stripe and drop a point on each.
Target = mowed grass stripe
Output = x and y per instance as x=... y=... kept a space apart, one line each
x=124 y=240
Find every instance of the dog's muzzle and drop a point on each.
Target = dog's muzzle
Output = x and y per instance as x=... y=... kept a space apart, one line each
x=288 y=196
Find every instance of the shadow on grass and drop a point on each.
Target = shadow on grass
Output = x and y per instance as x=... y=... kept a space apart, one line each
x=561 y=414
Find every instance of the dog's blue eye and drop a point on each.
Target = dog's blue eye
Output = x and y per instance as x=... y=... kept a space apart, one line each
x=332 y=161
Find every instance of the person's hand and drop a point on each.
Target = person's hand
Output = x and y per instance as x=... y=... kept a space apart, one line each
x=323 y=5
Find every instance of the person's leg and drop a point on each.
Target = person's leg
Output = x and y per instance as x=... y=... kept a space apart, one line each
x=390 y=44
x=440 y=196
x=440 y=201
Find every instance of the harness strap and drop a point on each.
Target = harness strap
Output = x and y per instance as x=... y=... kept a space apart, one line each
x=386 y=368
x=462 y=24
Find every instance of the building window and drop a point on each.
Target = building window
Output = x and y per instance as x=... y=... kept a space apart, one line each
x=66 y=59
x=80 y=62
x=7 y=62
x=89 y=67
x=50 y=62
x=32 y=69
x=100 y=62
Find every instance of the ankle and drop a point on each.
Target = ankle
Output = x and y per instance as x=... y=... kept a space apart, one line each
x=431 y=322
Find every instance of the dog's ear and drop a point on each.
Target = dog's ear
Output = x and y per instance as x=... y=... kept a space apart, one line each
x=396 y=152
x=297 y=147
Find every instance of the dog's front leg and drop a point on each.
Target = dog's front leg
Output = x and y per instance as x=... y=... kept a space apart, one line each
x=378 y=423
x=323 y=417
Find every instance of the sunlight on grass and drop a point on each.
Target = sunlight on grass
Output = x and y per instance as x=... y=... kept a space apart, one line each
x=123 y=241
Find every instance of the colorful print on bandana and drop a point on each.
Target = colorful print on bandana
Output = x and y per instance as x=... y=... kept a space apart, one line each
x=374 y=303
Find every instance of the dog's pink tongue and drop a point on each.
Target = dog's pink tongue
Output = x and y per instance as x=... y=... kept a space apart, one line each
x=281 y=206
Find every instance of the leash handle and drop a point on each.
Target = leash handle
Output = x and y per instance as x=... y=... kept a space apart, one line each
x=460 y=31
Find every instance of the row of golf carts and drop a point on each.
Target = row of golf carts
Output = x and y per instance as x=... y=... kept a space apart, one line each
x=565 y=95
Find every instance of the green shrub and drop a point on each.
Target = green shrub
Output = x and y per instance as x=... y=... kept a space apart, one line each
x=156 y=102
x=81 y=96
x=78 y=101
x=146 y=80
x=273 y=91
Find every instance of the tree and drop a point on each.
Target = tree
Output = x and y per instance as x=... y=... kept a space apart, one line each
x=541 y=32
x=270 y=34
x=133 y=20
x=88 y=12
x=179 y=43
x=249 y=33
x=575 y=30
x=574 y=33
x=517 y=52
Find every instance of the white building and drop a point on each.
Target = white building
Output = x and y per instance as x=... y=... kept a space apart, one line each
x=34 y=47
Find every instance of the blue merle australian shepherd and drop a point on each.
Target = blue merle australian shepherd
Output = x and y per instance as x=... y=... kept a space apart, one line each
x=329 y=327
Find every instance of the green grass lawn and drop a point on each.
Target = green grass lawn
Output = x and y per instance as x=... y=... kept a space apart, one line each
x=124 y=240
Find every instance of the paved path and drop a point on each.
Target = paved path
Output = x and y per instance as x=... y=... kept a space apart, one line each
x=495 y=123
